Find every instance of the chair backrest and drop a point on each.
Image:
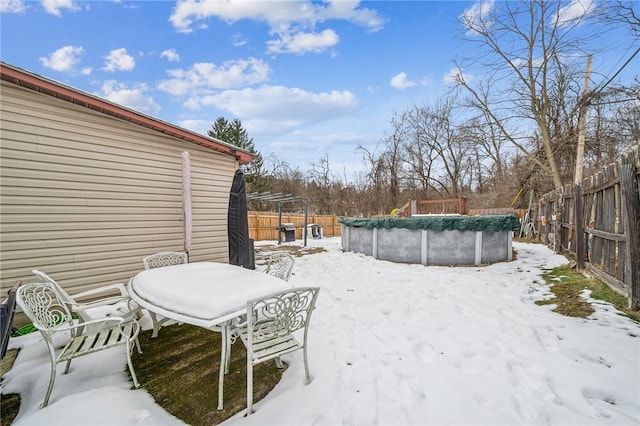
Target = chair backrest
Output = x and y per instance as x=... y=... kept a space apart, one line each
x=280 y=314
x=47 y=279
x=43 y=305
x=166 y=258
x=280 y=265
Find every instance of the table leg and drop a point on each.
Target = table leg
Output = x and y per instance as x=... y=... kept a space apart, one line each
x=223 y=364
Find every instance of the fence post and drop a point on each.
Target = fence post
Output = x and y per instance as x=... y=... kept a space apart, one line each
x=542 y=234
x=630 y=204
x=557 y=213
x=579 y=225
x=257 y=222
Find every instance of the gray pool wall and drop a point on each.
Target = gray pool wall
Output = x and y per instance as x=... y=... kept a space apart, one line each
x=429 y=247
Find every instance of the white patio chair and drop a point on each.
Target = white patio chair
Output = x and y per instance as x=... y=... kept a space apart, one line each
x=46 y=308
x=95 y=298
x=160 y=260
x=82 y=309
x=280 y=265
x=165 y=258
x=268 y=331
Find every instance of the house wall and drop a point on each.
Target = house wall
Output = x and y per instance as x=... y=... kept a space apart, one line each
x=85 y=196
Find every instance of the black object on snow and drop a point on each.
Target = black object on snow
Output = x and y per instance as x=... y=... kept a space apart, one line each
x=240 y=247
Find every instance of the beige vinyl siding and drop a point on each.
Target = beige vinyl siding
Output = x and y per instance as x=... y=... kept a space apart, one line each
x=85 y=196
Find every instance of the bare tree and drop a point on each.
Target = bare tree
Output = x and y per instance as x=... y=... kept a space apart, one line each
x=320 y=185
x=614 y=125
x=528 y=50
x=628 y=13
x=489 y=156
x=421 y=159
x=438 y=151
x=386 y=166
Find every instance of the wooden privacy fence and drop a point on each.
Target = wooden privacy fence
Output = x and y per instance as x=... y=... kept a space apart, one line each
x=439 y=206
x=264 y=225
x=597 y=223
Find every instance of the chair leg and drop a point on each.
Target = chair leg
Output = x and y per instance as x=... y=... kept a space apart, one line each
x=137 y=345
x=279 y=362
x=52 y=379
x=134 y=308
x=249 y=385
x=136 y=384
x=306 y=364
x=66 y=369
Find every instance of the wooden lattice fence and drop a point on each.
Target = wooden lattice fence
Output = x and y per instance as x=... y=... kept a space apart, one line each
x=264 y=225
x=597 y=223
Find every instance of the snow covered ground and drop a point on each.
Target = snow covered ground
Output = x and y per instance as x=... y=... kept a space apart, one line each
x=397 y=344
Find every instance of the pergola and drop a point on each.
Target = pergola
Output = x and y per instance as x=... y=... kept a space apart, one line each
x=276 y=197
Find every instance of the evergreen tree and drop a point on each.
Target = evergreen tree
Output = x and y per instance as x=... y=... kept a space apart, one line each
x=234 y=133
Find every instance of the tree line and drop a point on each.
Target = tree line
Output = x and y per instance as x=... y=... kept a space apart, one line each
x=509 y=124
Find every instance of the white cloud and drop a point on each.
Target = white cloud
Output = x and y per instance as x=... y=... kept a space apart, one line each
x=86 y=70
x=55 y=7
x=131 y=97
x=238 y=40
x=198 y=126
x=206 y=76
x=302 y=13
x=456 y=75
x=575 y=11
x=12 y=6
x=280 y=108
x=350 y=11
x=303 y=42
x=477 y=16
x=401 y=81
x=292 y=22
x=119 y=60
x=63 y=59
x=171 y=55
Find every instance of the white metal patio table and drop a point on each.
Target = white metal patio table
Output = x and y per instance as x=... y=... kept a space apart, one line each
x=204 y=294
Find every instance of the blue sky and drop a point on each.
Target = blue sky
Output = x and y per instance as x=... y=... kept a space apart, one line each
x=306 y=78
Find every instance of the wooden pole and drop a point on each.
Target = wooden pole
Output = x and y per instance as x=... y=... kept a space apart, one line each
x=582 y=124
x=257 y=222
x=558 y=216
x=279 y=223
x=306 y=216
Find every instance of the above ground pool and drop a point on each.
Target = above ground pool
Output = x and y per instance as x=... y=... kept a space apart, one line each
x=432 y=240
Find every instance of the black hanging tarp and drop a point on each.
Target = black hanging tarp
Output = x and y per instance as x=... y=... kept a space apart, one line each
x=240 y=247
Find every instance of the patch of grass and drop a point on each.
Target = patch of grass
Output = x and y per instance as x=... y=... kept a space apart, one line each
x=601 y=291
x=566 y=285
x=180 y=368
x=7 y=361
x=9 y=406
x=9 y=403
x=294 y=250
